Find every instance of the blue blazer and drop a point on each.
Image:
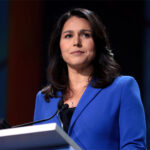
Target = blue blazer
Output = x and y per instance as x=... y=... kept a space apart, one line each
x=112 y=118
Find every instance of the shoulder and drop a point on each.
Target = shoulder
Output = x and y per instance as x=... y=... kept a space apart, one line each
x=125 y=81
x=124 y=85
x=129 y=89
x=40 y=94
x=40 y=97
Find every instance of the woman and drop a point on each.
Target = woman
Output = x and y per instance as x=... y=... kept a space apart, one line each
x=105 y=109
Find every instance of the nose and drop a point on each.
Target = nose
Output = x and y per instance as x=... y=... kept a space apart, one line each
x=77 y=41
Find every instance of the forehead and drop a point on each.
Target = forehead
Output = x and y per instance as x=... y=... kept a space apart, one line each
x=76 y=23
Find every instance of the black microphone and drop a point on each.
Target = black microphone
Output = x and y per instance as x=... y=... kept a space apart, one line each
x=60 y=107
x=63 y=107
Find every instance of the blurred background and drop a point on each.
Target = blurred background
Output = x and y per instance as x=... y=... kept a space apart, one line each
x=25 y=27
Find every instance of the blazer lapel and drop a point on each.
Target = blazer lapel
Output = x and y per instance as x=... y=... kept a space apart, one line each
x=89 y=94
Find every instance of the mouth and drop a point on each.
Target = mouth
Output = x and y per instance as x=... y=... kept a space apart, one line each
x=77 y=52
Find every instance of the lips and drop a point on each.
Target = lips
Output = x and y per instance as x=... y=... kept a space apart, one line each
x=77 y=52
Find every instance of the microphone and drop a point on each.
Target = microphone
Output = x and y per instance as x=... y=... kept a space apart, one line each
x=60 y=107
x=64 y=106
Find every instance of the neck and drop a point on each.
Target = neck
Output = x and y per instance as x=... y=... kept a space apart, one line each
x=79 y=78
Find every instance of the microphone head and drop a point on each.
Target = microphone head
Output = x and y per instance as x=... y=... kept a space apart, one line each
x=65 y=106
x=60 y=104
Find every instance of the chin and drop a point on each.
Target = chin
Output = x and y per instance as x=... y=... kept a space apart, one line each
x=80 y=65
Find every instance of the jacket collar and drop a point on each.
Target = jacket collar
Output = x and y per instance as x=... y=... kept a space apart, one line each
x=89 y=94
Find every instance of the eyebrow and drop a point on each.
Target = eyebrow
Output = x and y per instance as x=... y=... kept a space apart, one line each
x=82 y=30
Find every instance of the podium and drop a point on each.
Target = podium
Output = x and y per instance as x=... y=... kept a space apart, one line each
x=36 y=137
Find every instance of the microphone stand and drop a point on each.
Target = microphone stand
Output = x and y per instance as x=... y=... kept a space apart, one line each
x=31 y=123
x=60 y=108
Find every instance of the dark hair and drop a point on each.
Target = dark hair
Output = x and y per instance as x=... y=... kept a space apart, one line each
x=105 y=68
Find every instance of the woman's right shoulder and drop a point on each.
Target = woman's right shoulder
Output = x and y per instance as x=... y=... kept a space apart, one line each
x=47 y=93
x=43 y=91
x=39 y=95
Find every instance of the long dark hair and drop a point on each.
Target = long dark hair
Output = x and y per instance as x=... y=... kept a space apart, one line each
x=105 y=68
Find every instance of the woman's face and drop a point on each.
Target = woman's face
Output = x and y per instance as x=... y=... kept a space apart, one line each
x=76 y=43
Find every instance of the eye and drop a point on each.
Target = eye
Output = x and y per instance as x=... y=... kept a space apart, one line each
x=67 y=36
x=86 y=35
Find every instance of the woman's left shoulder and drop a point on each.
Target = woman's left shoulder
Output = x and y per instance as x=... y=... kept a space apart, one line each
x=126 y=84
x=123 y=80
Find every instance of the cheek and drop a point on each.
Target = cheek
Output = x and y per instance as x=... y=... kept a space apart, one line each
x=91 y=47
x=63 y=50
x=92 y=52
x=63 y=46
